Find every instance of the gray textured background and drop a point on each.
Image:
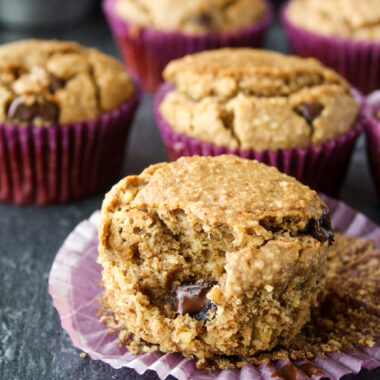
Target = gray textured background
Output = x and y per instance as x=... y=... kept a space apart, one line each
x=32 y=343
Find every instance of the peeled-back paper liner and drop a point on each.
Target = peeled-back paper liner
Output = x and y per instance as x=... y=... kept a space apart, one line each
x=60 y=163
x=147 y=51
x=358 y=61
x=322 y=167
x=74 y=284
x=372 y=129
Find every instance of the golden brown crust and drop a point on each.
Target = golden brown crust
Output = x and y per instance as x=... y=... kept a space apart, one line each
x=192 y=17
x=240 y=225
x=255 y=99
x=359 y=20
x=44 y=82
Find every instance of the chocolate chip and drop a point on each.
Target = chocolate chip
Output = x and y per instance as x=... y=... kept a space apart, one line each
x=203 y=19
x=48 y=111
x=310 y=111
x=26 y=113
x=22 y=112
x=55 y=83
x=192 y=299
x=321 y=228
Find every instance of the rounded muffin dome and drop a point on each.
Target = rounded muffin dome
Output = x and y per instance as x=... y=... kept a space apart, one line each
x=192 y=17
x=358 y=20
x=211 y=256
x=256 y=99
x=49 y=82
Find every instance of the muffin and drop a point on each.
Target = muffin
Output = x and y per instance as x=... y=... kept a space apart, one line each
x=372 y=129
x=343 y=34
x=65 y=111
x=285 y=111
x=151 y=33
x=211 y=256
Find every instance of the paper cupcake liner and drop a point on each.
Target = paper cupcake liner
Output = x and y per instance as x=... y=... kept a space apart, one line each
x=372 y=129
x=357 y=61
x=74 y=284
x=322 y=167
x=40 y=165
x=147 y=51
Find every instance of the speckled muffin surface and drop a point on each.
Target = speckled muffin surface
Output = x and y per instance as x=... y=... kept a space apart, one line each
x=359 y=20
x=49 y=82
x=193 y=17
x=211 y=256
x=256 y=99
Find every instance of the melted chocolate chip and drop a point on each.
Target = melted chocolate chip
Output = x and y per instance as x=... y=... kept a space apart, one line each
x=310 y=369
x=287 y=372
x=48 y=111
x=55 y=83
x=203 y=19
x=310 y=111
x=21 y=112
x=26 y=113
x=192 y=299
x=321 y=228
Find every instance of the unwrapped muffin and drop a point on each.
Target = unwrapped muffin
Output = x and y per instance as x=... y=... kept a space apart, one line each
x=150 y=33
x=344 y=34
x=211 y=256
x=64 y=115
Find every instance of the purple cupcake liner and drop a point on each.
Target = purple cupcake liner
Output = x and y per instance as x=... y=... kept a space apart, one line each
x=357 y=61
x=372 y=129
x=322 y=167
x=74 y=284
x=60 y=163
x=146 y=51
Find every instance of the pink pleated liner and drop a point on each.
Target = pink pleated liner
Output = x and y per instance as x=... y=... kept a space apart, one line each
x=146 y=51
x=357 y=61
x=372 y=129
x=322 y=167
x=64 y=162
x=75 y=286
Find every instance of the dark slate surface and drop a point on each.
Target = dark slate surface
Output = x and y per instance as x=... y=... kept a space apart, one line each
x=32 y=343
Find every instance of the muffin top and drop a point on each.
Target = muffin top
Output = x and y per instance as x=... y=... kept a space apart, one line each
x=193 y=17
x=344 y=18
x=256 y=99
x=45 y=82
x=223 y=190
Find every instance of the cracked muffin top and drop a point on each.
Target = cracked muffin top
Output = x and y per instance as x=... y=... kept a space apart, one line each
x=193 y=17
x=222 y=190
x=256 y=99
x=47 y=82
x=344 y=18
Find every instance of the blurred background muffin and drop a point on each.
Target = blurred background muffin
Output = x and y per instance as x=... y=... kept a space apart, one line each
x=343 y=34
x=286 y=111
x=64 y=116
x=372 y=127
x=152 y=33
